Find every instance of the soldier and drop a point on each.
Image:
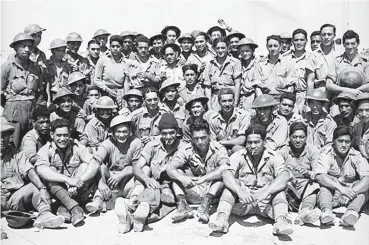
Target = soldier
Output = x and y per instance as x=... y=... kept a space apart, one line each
x=37 y=56
x=134 y=101
x=172 y=33
x=101 y=36
x=286 y=108
x=76 y=61
x=187 y=42
x=286 y=43
x=343 y=174
x=257 y=178
x=127 y=49
x=202 y=55
x=156 y=43
x=360 y=130
x=93 y=48
x=315 y=40
x=93 y=94
x=347 y=113
x=76 y=84
x=276 y=125
x=233 y=39
x=216 y=32
x=172 y=68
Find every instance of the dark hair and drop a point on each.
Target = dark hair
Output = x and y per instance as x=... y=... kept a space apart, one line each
x=59 y=123
x=256 y=129
x=199 y=124
x=92 y=41
x=340 y=131
x=299 y=31
x=93 y=87
x=40 y=111
x=150 y=90
x=192 y=67
x=225 y=91
x=298 y=126
x=289 y=96
x=349 y=35
x=142 y=39
x=314 y=33
x=204 y=34
x=274 y=37
x=116 y=38
x=328 y=25
x=220 y=40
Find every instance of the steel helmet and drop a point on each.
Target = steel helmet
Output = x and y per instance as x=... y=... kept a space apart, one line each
x=75 y=76
x=344 y=96
x=360 y=97
x=57 y=43
x=101 y=32
x=21 y=37
x=120 y=120
x=133 y=92
x=264 y=100
x=18 y=219
x=351 y=77
x=74 y=37
x=235 y=34
x=105 y=102
x=316 y=94
x=33 y=29
x=174 y=28
x=247 y=41
x=169 y=82
x=61 y=93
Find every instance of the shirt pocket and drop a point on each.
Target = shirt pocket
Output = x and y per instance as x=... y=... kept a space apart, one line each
x=18 y=84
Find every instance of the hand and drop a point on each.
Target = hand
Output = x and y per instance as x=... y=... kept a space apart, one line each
x=104 y=190
x=145 y=140
x=348 y=192
x=151 y=183
x=224 y=25
x=344 y=200
x=72 y=191
x=200 y=180
x=355 y=91
x=75 y=182
x=188 y=182
x=245 y=197
x=6 y=173
x=44 y=196
x=259 y=196
x=114 y=180
x=181 y=62
x=303 y=171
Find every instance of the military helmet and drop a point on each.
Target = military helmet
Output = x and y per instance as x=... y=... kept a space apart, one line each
x=351 y=77
x=57 y=43
x=120 y=120
x=74 y=37
x=264 y=100
x=21 y=37
x=75 y=76
x=316 y=94
x=33 y=29
x=105 y=102
x=101 y=32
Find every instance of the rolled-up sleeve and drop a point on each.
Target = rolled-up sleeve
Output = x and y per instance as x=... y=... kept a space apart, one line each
x=362 y=166
x=102 y=151
x=237 y=70
x=43 y=156
x=322 y=165
x=99 y=70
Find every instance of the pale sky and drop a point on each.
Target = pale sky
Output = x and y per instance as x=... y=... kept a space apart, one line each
x=256 y=19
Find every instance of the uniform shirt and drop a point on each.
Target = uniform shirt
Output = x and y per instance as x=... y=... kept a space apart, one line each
x=215 y=157
x=175 y=73
x=185 y=94
x=58 y=76
x=116 y=156
x=236 y=126
x=341 y=62
x=67 y=163
x=18 y=83
x=251 y=77
x=157 y=157
x=279 y=77
x=360 y=138
x=354 y=166
x=270 y=166
x=81 y=62
x=179 y=112
x=322 y=133
x=95 y=132
x=32 y=142
x=131 y=55
x=306 y=159
x=76 y=121
x=276 y=132
x=125 y=111
x=325 y=63
x=294 y=118
x=186 y=137
x=222 y=76
x=143 y=125
x=135 y=65
x=194 y=58
x=92 y=67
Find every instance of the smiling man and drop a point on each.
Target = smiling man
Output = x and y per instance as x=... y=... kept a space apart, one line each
x=286 y=108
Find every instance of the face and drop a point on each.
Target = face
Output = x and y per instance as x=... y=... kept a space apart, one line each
x=171 y=36
x=327 y=35
x=298 y=139
x=299 y=42
x=273 y=47
x=190 y=77
x=23 y=49
x=315 y=42
x=200 y=43
x=104 y=114
x=65 y=103
x=342 y=144
x=246 y=52
x=142 y=49
x=151 y=100
x=103 y=40
x=59 y=53
x=345 y=108
x=170 y=55
x=197 y=109
x=363 y=110
x=5 y=139
x=94 y=94
x=226 y=103
x=316 y=107
x=61 y=137
x=186 y=45
x=215 y=34
x=115 y=48
x=170 y=93
x=286 y=107
x=285 y=45
x=221 y=49
x=42 y=125
x=94 y=50
x=134 y=103
x=77 y=87
x=157 y=44
x=351 y=46
x=37 y=37
x=121 y=132
x=254 y=144
x=264 y=113
x=73 y=46
x=201 y=140
x=168 y=136
x=127 y=43
x=233 y=43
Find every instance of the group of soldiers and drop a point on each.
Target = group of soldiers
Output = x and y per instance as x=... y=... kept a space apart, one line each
x=148 y=126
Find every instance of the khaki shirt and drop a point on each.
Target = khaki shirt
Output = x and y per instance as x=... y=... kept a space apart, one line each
x=252 y=77
x=95 y=132
x=58 y=76
x=341 y=62
x=116 y=156
x=76 y=121
x=325 y=63
x=185 y=95
x=135 y=66
x=144 y=125
x=31 y=143
x=194 y=58
x=76 y=59
x=187 y=137
x=75 y=155
x=354 y=166
x=179 y=112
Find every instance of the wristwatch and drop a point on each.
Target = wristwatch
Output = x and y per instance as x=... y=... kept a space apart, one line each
x=43 y=187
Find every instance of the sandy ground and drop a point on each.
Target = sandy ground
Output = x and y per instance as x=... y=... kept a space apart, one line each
x=249 y=230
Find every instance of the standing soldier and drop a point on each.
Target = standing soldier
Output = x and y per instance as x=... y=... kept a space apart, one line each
x=101 y=36
x=186 y=41
x=127 y=49
x=76 y=61
x=233 y=39
x=93 y=48
x=157 y=41
x=172 y=68
x=286 y=43
x=172 y=33
x=202 y=55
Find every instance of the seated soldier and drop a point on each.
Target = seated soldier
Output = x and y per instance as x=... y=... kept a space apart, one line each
x=347 y=113
x=134 y=101
x=96 y=130
x=343 y=174
x=255 y=185
x=66 y=167
x=228 y=125
x=300 y=157
x=361 y=128
x=115 y=155
x=286 y=108
x=93 y=94
x=67 y=110
x=151 y=180
x=275 y=124
x=21 y=187
x=39 y=135
x=196 y=171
